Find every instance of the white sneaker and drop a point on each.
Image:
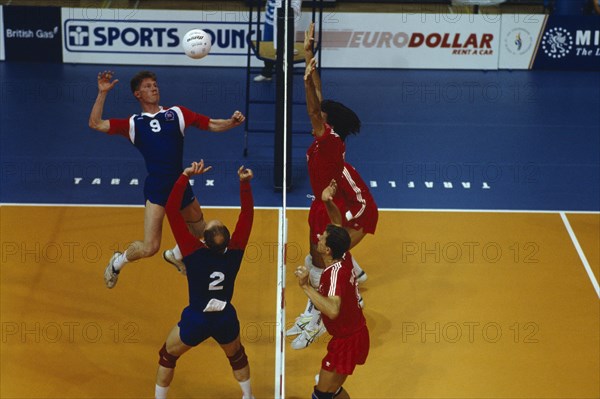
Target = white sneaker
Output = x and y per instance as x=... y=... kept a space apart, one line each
x=307 y=337
x=110 y=275
x=361 y=301
x=169 y=256
x=362 y=277
x=262 y=78
x=299 y=325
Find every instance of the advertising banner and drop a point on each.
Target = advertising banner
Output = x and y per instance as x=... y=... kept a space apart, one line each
x=462 y=41
x=420 y=40
x=570 y=43
x=152 y=37
x=32 y=34
x=519 y=39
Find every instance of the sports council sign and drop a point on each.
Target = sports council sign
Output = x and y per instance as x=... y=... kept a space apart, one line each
x=151 y=37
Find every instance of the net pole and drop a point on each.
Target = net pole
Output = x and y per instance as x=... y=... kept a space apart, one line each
x=285 y=57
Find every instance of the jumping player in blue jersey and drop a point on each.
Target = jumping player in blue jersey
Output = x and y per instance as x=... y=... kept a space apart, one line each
x=212 y=265
x=158 y=134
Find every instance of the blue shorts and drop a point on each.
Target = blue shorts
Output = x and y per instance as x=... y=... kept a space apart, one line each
x=157 y=189
x=196 y=326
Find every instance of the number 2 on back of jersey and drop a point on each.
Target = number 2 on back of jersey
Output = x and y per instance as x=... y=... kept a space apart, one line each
x=218 y=279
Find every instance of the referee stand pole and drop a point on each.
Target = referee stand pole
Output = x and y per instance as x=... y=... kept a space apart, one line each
x=284 y=96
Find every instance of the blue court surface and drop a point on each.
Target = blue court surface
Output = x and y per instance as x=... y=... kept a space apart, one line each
x=515 y=140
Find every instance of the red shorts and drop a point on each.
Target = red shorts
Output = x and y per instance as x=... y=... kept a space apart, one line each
x=318 y=219
x=367 y=221
x=343 y=354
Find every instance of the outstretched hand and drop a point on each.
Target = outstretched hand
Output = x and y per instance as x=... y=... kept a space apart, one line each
x=245 y=174
x=311 y=66
x=309 y=37
x=196 y=168
x=237 y=118
x=329 y=191
x=104 y=83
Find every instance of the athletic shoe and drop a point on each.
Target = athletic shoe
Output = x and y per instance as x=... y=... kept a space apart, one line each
x=262 y=78
x=110 y=275
x=307 y=337
x=169 y=256
x=361 y=301
x=362 y=277
x=299 y=325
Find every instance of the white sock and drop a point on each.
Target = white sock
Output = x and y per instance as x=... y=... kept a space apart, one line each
x=177 y=253
x=308 y=309
x=246 y=389
x=357 y=269
x=309 y=265
x=308 y=262
x=315 y=277
x=315 y=322
x=120 y=261
x=160 y=392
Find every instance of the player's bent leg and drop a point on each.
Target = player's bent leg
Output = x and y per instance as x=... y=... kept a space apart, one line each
x=236 y=354
x=194 y=217
x=153 y=218
x=331 y=382
x=153 y=221
x=314 y=328
x=170 y=352
x=340 y=394
x=192 y=214
x=356 y=236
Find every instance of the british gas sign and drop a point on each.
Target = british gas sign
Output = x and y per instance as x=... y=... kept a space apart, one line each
x=150 y=38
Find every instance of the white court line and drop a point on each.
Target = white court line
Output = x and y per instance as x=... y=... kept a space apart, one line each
x=127 y=206
x=304 y=208
x=584 y=260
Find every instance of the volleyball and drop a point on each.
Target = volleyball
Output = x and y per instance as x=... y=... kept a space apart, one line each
x=196 y=44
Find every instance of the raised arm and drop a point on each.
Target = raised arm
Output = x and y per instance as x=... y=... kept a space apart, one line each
x=104 y=86
x=328 y=305
x=309 y=39
x=313 y=105
x=221 y=125
x=186 y=240
x=332 y=210
x=241 y=235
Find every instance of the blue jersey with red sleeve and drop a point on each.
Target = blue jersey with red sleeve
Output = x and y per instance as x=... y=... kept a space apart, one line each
x=159 y=136
x=210 y=275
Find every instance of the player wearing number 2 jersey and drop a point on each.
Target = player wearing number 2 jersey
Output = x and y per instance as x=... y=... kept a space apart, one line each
x=212 y=266
x=158 y=133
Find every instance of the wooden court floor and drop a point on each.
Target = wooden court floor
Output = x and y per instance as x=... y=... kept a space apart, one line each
x=459 y=305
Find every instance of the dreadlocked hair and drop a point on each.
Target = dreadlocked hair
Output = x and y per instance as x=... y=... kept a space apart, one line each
x=341 y=118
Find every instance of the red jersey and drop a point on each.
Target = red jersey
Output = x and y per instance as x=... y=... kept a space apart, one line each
x=339 y=280
x=325 y=158
x=357 y=198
